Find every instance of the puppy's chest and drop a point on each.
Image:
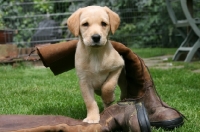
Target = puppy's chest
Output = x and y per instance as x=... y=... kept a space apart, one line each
x=96 y=65
x=93 y=75
x=94 y=71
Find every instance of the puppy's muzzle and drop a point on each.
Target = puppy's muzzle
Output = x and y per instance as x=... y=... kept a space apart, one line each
x=96 y=38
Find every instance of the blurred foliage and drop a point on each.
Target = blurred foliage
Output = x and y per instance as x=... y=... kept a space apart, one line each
x=1 y=21
x=152 y=26
x=144 y=23
x=25 y=15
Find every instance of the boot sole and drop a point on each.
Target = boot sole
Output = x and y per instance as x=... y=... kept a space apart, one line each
x=169 y=124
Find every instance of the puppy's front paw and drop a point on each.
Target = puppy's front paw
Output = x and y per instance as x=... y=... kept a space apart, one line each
x=107 y=104
x=92 y=119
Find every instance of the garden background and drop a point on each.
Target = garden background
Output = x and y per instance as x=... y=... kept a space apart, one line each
x=144 y=23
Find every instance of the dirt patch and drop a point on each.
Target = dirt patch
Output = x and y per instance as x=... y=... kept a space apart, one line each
x=162 y=62
x=159 y=62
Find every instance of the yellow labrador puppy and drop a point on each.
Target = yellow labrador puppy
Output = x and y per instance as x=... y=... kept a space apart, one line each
x=98 y=64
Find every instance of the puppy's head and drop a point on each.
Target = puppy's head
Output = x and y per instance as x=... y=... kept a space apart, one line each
x=93 y=24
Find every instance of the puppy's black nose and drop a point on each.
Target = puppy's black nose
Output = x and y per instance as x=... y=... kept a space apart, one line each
x=96 y=38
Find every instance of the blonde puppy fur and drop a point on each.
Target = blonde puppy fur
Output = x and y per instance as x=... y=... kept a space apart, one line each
x=98 y=64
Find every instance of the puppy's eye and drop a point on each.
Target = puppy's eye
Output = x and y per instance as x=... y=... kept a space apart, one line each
x=85 y=24
x=103 y=24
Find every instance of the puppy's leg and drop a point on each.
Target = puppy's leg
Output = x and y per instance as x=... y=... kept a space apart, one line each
x=108 y=87
x=91 y=105
x=122 y=82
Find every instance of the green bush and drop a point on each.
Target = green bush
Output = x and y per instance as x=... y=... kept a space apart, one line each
x=144 y=23
x=25 y=15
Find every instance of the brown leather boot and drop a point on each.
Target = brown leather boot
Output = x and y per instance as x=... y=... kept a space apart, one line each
x=140 y=87
x=119 y=117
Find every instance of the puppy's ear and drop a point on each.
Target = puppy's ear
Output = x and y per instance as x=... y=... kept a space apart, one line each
x=113 y=18
x=73 y=22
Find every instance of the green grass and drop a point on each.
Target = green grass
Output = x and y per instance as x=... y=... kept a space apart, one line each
x=153 y=52
x=38 y=91
x=180 y=88
x=190 y=66
x=29 y=90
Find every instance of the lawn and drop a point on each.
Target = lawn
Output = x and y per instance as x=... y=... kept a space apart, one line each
x=31 y=90
x=152 y=52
